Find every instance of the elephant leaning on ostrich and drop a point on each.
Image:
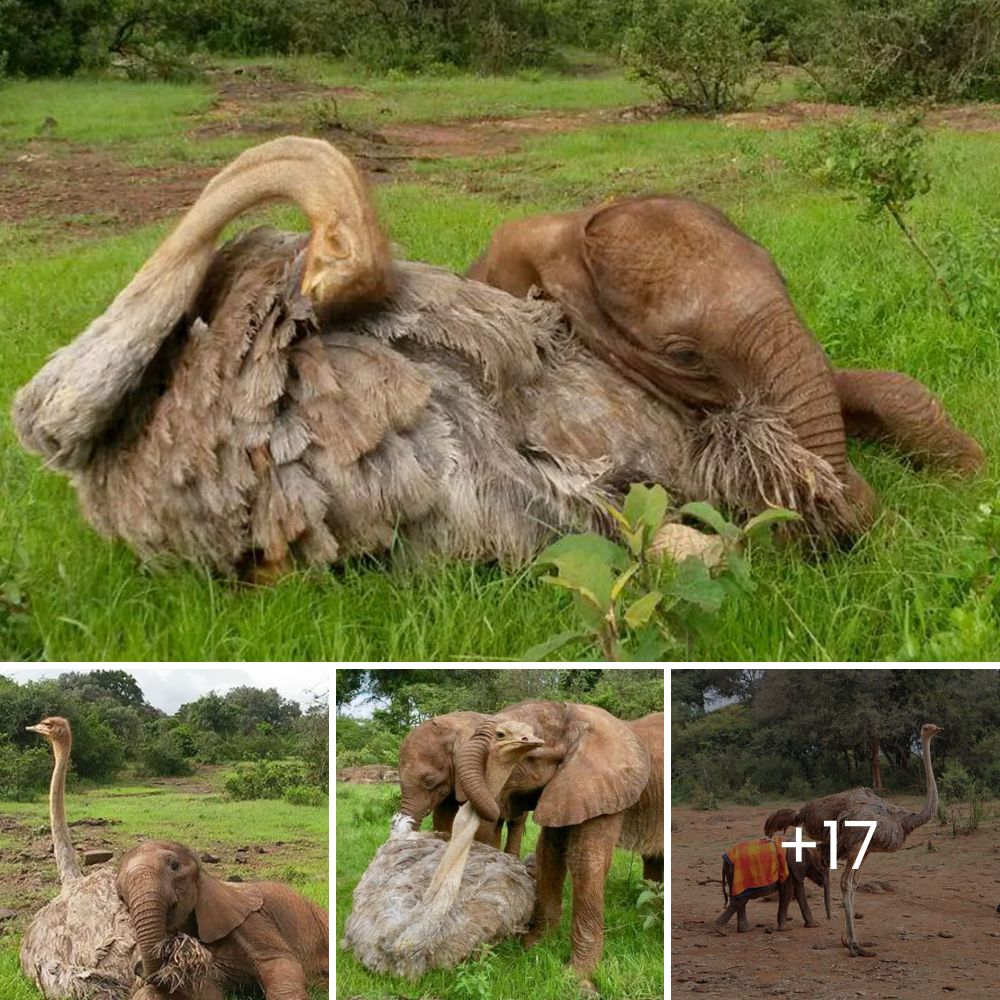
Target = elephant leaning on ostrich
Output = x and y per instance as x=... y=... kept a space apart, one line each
x=301 y=398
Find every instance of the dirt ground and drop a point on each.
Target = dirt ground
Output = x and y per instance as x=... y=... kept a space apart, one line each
x=928 y=911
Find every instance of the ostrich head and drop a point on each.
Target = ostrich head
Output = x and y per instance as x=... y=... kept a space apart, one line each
x=513 y=740
x=55 y=729
x=928 y=731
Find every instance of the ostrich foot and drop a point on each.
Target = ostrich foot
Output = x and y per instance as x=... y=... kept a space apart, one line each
x=855 y=950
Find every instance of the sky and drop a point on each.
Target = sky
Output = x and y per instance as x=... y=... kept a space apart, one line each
x=168 y=688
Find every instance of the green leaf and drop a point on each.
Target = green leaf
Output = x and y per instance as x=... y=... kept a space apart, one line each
x=545 y=649
x=620 y=583
x=648 y=922
x=644 y=897
x=645 y=507
x=707 y=514
x=651 y=647
x=739 y=572
x=640 y=611
x=585 y=564
x=766 y=518
x=694 y=583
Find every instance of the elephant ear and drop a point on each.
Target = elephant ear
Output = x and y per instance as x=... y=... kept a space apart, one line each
x=223 y=907
x=605 y=769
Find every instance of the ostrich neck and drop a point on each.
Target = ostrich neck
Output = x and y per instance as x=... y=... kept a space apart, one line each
x=447 y=878
x=931 y=804
x=62 y=844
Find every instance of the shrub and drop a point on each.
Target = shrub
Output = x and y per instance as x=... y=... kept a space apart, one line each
x=748 y=794
x=702 y=55
x=162 y=758
x=23 y=773
x=887 y=51
x=378 y=807
x=266 y=779
x=304 y=795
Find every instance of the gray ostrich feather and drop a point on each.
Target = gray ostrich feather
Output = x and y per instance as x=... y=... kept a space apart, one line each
x=496 y=900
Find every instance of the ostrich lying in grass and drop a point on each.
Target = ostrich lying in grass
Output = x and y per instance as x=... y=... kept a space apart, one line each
x=291 y=398
x=424 y=903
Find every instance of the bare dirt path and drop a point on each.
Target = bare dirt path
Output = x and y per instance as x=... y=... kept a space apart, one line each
x=929 y=912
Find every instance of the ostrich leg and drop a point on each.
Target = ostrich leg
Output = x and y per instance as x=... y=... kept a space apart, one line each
x=848 y=884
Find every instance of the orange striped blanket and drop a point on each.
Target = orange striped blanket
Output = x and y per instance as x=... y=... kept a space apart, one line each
x=757 y=863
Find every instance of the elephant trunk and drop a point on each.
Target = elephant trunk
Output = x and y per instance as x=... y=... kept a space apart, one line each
x=784 y=355
x=148 y=911
x=471 y=769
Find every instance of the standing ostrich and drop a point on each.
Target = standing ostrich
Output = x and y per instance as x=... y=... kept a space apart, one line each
x=894 y=824
x=80 y=945
x=424 y=904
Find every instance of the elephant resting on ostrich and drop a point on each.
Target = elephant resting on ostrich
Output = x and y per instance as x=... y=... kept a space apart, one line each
x=288 y=398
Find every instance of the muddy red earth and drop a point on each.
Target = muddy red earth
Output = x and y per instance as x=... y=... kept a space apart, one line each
x=929 y=912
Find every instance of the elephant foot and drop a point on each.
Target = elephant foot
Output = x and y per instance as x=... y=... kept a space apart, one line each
x=811 y=923
x=783 y=927
x=530 y=938
x=588 y=990
x=719 y=928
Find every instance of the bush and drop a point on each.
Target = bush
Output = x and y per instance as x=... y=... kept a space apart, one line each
x=887 y=51
x=23 y=773
x=304 y=795
x=748 y=794
x=266 y=779
x=418 y=35
x=161 y=758
x=702 y=55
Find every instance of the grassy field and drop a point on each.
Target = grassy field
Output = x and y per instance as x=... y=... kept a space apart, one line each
x=908 y=589
x=190 y=811
x=632 y=968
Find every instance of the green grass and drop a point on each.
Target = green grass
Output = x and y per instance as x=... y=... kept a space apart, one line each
x=98 y=110
x=861 y=289
x=202 y=821
x=632 y=967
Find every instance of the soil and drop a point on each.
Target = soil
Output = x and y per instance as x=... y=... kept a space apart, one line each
x=928 y=911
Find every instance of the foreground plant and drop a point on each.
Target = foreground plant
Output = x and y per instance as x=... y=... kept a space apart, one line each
x=647 y=594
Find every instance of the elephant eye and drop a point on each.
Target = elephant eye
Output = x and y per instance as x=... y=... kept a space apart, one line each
x=174 y=864
x=684 y=358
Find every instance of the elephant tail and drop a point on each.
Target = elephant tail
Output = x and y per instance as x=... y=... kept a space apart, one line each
x=727 y=878
x=780 y=821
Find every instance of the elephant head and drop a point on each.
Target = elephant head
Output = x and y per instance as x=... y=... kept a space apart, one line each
x=592 y=764
x=166 y=891
x=426 y=762
x=682 y=303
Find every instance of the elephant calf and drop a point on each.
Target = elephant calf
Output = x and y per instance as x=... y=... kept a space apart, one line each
x=812 y=866
x=257 y=932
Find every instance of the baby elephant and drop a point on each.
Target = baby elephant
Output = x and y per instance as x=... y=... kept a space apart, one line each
x=256 y=932
x=812 y=866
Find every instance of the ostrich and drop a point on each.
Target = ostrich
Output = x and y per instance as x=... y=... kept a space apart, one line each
x=81 y=946
x=894 y=825
x=423 y=903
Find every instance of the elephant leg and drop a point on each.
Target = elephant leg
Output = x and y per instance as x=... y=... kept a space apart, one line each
x=800 y=898
x=890 y=406
x=591 y=848
x=652 y=869
x=550 y=875
x=444 y=815
x=848 y=883
x=719 y=923
x=515 y=831
x=742 y=924
x=784 y=899
x=282 y=977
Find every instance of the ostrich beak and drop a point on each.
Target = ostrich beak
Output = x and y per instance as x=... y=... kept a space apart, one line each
x=36 y=729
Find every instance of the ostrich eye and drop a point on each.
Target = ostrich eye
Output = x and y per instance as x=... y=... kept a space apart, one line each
x=500 y=735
